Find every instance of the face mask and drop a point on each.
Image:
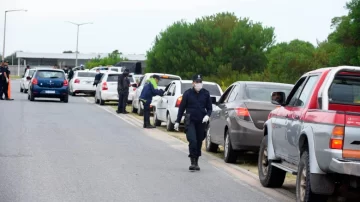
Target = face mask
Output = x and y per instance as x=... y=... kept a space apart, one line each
x=198 y=86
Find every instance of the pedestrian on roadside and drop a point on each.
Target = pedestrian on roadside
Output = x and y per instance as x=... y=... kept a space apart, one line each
x=27 y=67
x=123 y=91
x=82 y=67
x=149 y=91
x=71 y=74
x=196 y=102
x=4 y=80
x=97 y=77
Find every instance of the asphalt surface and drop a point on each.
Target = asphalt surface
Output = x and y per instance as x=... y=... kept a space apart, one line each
x=54 y=151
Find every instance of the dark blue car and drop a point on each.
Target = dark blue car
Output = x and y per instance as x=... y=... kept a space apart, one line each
x=49 y=83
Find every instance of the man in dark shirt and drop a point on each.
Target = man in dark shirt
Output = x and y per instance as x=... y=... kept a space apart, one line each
x=4 y=70
x=197 y=103
x=123 y=91
x=97 y=77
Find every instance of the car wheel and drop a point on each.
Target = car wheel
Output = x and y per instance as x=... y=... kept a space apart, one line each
x=270 y=176
x=169 y=124
x=303 y=186
x=21 y=90
x=140 y=110
x=230 y=155
x=96 y=100
x=65 y=99
x=25 y=91
x=157 y=122
x=133 y=109
x=32 y=97
x=101 y=102
x=28 y=97
x=210 y=147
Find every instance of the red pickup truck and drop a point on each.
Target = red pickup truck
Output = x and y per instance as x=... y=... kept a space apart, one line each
x=315 y=134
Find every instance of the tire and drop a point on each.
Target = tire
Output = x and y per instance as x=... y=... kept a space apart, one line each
x=169 y=124
x=96 y=100
x=133 y=109
x=21 y=90
x=65 y=99
x=28 y=97
x=32 y=97
x=303 y=186
x=156 y=121
x=210 y=147
x=25 y=91
x=270 y=176
x=101 y=102
x=140 y=111
x=230 y=155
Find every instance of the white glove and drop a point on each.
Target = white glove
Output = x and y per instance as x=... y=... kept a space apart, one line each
x=176 y=126
x=205 y=119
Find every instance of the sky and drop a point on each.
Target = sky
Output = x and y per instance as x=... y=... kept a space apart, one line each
x=131 y=26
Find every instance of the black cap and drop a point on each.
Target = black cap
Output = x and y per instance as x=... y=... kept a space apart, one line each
x=155 y=76
x=197 y=77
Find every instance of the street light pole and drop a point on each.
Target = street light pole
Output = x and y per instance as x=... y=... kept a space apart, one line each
x=77 y=39
x=3 y=53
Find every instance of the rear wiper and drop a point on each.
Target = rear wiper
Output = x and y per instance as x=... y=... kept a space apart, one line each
x=54 y=77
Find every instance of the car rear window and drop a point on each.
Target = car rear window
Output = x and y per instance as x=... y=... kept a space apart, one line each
x=113 y=77
x=31 y=72
x=49 y=74
x=164 y=80
x=212 y=88
x=345 y=90
x=86 y=74
x=263 y=92
x=131 y=79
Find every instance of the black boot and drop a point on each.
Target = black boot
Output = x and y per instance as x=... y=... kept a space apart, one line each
x=196 y=163
x=148 y=125
x=192 y=166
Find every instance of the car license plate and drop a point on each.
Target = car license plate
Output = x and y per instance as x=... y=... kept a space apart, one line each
x=50 y=91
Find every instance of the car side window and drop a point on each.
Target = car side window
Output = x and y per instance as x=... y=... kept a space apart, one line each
x=233 y=93
x=305 y=93
x=226 y=94
x=294 y=94
x=170 y=90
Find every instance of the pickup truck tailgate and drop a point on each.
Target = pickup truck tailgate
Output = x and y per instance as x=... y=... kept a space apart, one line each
x=351 y=145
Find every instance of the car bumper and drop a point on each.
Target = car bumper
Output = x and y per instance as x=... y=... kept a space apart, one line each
x=245 y=135
x=50 y=92
x=83 y=88
x=109 y=96
x=345 y=167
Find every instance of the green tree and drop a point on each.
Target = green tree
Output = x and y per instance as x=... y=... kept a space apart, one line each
x=111 y=59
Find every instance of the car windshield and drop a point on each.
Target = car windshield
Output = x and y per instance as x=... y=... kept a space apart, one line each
x=86 y=74
x=166 y=81
x=212 y=88
x=263 y=92
x=49 y=74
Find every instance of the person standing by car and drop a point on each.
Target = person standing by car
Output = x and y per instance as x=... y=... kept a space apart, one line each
x=197 y=103
x=71 y=74
x=123 y=91
x=27 y=67
x=4 y=80
x=97 y=77
x=150 y=90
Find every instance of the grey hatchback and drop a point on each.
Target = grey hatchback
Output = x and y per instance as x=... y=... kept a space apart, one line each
x=238 y=118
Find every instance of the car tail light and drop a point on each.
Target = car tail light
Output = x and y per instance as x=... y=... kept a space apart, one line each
x=77 y=81
x=34 y=81
x=66 y=83
x=243 y=113
x=104 y=86
x=337 y=137
x=178 y=101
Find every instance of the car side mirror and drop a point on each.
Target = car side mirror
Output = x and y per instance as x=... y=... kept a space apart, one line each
x=278 y=98
x=168 y=93
x=134 y=85
x=28 y=78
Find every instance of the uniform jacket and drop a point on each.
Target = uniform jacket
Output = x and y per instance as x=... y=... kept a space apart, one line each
x=150 y=90
x=123 y=84
x=97 y=78
x=196 y=104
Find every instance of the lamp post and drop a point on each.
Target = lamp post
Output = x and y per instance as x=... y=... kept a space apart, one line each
x=77 y=38
x=3 y=53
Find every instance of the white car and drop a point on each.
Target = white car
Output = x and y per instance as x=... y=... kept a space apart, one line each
x=166 y=79
x=106 y=89
x=82 y=82
x=25 y=80
x=166 y=109
x=132 y=89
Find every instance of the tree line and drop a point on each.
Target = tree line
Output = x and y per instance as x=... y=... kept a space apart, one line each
x=225 y=48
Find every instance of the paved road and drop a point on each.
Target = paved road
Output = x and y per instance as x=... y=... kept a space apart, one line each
x=53 y=151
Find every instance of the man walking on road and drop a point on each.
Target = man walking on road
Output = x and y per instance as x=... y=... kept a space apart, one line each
x=123 y=91
x=197 y=103
x=4 y=80
x=150 y=90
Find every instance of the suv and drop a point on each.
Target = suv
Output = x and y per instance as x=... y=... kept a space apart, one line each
x=315 y=135
x=49 y=83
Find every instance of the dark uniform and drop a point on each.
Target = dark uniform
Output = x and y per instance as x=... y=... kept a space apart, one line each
x=197 y=103
x=97 y=78
x=4 y=81
x=71 y=74
x=149 y=91
x=123 y=91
